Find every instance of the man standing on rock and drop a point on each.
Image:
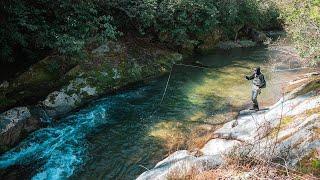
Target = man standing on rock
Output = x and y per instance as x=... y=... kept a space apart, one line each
x=258 y=82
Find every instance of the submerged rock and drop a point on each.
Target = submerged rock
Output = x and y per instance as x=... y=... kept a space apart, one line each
x=14 y=124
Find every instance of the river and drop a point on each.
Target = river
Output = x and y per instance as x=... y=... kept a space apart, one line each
x=119 y=136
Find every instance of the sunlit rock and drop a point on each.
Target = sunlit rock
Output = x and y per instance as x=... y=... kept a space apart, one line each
x=219 y=146
x=179 y=163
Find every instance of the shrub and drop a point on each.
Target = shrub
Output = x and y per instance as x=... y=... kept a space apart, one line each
x=63 y=25
x=302 y=20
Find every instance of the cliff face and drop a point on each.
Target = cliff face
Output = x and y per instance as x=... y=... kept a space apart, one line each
x=288 y=130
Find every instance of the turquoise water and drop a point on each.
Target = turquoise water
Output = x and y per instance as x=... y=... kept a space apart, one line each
x=118 y=136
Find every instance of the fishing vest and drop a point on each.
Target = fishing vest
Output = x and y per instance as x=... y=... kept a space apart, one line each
x=259 y=81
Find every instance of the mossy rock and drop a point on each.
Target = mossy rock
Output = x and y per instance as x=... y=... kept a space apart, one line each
x=48 y=69
x=37 y=82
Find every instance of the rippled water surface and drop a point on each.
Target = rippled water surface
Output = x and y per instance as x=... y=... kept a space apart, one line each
x=118 y=136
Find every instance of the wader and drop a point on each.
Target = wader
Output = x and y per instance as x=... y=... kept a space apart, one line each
x=258 y=82
x=254 y=96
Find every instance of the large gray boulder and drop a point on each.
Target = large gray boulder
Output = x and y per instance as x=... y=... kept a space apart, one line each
x=14 y=124
x=59 y=102
x=68 y=98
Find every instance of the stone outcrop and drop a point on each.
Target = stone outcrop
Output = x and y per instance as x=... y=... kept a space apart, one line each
x=291 y=126
x=181 y=162
x=68 y=98
x=14 y=124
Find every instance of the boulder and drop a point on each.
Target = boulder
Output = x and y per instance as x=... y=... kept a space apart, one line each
x=14 y=124
x=68 y=98
x=59 y=102
x=35 y=83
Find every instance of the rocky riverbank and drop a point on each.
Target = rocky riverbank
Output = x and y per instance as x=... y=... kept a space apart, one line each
x=287 y=134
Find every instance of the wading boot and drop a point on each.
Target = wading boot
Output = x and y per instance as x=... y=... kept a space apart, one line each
x=255 y=108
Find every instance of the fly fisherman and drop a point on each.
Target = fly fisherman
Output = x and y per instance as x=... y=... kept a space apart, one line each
x=258 y=82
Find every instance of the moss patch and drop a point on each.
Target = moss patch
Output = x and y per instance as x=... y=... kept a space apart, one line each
x=310 y=164
x=38 y=81
x=285 y=121
x=312 y=111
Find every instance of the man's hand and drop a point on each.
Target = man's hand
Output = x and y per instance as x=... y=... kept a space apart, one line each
x=259 y=90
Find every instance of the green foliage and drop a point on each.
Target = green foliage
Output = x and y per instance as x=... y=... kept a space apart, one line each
x=69 y=26
x=302 y=18
x=183 y=21
x=63 y=25
x=235 y=14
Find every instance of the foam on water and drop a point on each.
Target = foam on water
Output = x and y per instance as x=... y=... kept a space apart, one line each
x=61 y=148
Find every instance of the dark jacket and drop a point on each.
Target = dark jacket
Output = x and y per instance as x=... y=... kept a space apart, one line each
x=257 y=80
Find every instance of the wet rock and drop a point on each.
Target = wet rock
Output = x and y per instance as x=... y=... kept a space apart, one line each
x=89 y=91
x=59 y=102
x=14 y=124
x=77 y=92
x=35 y=83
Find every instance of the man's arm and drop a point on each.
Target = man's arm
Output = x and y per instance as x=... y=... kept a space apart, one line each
x=250 y=77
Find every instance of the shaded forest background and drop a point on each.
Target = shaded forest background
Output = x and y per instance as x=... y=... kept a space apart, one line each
x=33 y=29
